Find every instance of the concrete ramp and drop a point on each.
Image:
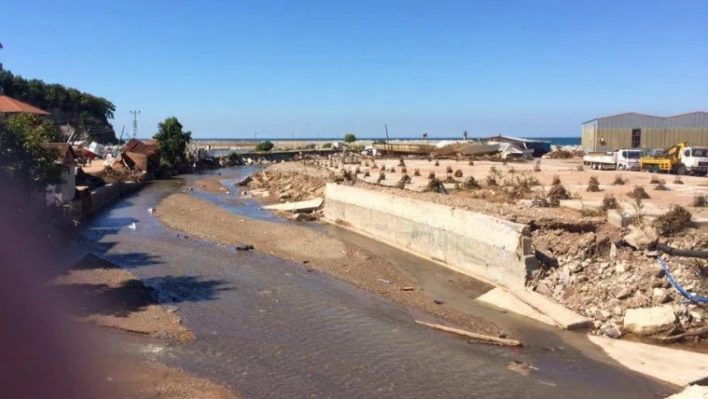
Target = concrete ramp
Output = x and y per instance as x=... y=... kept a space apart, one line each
x=475 y=244
x=301 y=206
x=675 y=366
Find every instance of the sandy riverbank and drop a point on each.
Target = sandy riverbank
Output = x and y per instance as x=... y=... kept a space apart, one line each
x=102 y=294
x=312 y=249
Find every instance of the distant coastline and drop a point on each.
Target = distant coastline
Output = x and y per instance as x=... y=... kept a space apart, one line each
x=561 y=141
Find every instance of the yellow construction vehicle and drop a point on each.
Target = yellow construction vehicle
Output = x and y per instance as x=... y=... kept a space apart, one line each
x=680 y=159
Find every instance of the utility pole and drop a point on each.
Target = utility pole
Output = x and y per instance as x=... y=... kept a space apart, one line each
x=135 y=123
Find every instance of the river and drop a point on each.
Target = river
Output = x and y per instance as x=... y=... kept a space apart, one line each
x=270 y=328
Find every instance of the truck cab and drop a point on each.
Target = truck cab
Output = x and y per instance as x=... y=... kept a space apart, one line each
x=694 y=160
x=680 y=159
x=628 y=159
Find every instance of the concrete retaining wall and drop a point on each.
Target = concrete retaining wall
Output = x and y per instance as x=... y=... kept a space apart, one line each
x=471 y=243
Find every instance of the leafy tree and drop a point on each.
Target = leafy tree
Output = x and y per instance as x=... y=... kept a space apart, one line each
x=85 y=112
x=172 y=142
x=349 y=138
x=264 y=146
x=24 y=163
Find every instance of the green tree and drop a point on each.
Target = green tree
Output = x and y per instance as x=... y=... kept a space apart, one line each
x=349 y=138
x=172 y=142
x=24 y=163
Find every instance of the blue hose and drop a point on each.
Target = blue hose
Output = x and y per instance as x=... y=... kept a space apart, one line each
x=680 y=289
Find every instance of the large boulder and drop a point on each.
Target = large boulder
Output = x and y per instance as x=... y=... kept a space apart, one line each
x=648 y=321
x=641 y=238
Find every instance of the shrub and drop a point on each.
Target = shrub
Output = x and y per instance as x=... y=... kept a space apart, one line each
x=416 y=172
x=512 y=170
x=537 y=166
x=557 y=193
x=470 y=162
x=357 y=170
x=654 y=180
x=610 y=202
x=638 y=193
x=556 y=180
x=458 y=173
x=471 y=184
x=366 y=163
x=373 y=165
x=661 y=187
x=404 y=169
x=619 y=181
x=366 y=173
x=437 y=163
x=593 y=185
x=382 y=175
x=401 y=162
x=677 y=180
x=349 y=138
x=673 y=221
x=448 y=169
x=591 y=212
x=326 y=145
x=431 y=175
x=264 y=146
x=699 y=201
x=580 y=168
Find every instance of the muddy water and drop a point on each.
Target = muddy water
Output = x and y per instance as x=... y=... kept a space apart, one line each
x=269 y=328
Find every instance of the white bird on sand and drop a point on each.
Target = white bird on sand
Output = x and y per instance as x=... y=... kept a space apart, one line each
x=132 y=226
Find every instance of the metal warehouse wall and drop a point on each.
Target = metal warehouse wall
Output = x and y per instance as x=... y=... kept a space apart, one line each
x=657 y=132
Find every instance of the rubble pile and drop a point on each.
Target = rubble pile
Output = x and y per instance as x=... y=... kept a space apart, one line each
x=612 y=276
x=292 y=181
x=564 y=153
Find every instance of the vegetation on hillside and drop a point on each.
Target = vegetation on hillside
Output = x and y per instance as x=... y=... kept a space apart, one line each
x=172 y=141
x=86 y=113
x=24 y=163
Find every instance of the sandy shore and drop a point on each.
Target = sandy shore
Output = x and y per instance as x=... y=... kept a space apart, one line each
x=102 y=294
x=313 y=250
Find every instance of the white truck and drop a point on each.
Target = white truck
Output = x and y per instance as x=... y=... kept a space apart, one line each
x=624 y=159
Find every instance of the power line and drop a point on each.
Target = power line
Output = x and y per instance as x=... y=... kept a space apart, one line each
x=135 y=123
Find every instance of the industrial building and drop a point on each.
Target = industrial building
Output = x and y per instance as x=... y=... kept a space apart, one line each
x=633 y=130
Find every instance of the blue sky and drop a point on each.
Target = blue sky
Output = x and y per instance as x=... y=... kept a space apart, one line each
x=315 y=67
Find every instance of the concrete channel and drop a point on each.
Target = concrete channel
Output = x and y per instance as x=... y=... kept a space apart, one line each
x=268 y=328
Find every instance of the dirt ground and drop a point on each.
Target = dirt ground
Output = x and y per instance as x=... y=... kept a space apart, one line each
x=101 y=294
x=314 y=250
x=148 y=380
x=574 y=180
x=211 y=184
x=106 y=295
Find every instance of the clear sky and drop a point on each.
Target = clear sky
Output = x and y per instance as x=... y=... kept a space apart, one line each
x=229 y=68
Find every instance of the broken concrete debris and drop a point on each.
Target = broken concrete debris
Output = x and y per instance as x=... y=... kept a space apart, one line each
x=648 y=321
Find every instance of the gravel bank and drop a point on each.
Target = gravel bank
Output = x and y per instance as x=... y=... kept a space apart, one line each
x=314 y=250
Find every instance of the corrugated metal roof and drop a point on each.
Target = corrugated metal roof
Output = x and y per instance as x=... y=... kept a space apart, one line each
x=637 y=120
x=517 y=139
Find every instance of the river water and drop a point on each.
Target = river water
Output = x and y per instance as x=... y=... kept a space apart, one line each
x=270 y=329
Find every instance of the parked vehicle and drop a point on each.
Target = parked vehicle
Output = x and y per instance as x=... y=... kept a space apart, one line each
x=680 y=159
x=369 y=151
x=624 y=159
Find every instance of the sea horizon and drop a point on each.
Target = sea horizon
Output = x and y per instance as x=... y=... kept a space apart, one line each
x=560 y=140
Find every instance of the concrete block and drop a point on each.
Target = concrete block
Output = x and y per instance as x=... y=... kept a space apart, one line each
x=561 y=316
x=691 y=392
x=674 y=366
x=619 y=219
x=301 y=206
x=500 y=298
